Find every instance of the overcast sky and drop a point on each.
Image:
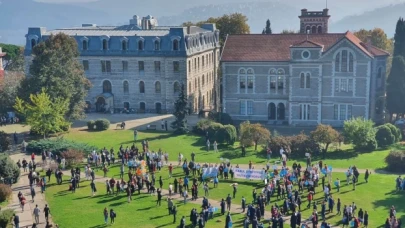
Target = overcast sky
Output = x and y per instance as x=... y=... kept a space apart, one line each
x=65 y=1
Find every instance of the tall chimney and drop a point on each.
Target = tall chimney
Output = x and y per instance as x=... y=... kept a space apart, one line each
x=368 y=44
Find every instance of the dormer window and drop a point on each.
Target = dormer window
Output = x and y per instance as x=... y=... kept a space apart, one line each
x=157 y=45
x=124 y=45
x=140 y=45
x=105 y=44
x=85 y=45
x=175 y=45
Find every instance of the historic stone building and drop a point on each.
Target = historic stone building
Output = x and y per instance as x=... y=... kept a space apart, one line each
x=142 y=66
x=303 y=79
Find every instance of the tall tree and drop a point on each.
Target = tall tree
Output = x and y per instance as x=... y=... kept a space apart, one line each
x=44 y=114
x=268 y=27
x=180 y=124
x=8 y=89
x=14 y=60
x=228 y=24
x=396 y=87
x=325 y=134
x=399 y=38
x=377 y=37
x=56 y=68
x=253 y=134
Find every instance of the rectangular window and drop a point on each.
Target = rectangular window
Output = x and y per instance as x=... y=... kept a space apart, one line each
x=342 y=112
x=250 y=82
x=176 y=66
x=250 y=107
x=243 y=107
x=108 y=66
x=141 y=65
x=105 y=66
x=203 y=61
x=337 y=85
x=86 y=65
x=273 y=82
x=189 y=66
x=343 y=85
x=305 y=111
x=242 y=83
x=157 y=66
x=336 y=112
x=344 y=61
x=350 y=85
x=349 y=112
x=280 y=82
x=124 y=66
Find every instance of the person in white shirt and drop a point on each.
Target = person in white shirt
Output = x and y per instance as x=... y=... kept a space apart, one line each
x=162 y=122
x=281 y=152
x=215 y=146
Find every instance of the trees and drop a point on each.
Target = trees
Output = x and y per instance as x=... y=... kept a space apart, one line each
x=399 y=43
x=180 y=124
x=228 y=24
x=55 y=67
x=253 y=134
x=378 y=38
x=396 y=87
x=8 y=169
x=361 y=133
x=43 y=114
x=8 y=89
x=5 y=141
x=267 y=30
x=14 y=60
x=325 y=134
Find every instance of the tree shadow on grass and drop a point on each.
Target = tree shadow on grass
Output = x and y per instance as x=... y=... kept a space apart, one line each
x=106 y=200
x=392 y=198
x=99 y=226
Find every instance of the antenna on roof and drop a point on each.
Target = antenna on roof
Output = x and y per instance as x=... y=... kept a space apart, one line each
x=326 y=4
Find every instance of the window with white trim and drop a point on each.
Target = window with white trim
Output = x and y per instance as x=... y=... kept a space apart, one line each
x=276 y=80
x=249 y=107
x=105 y=66
x=305 y=80
x=243 y=107
x=342 y=111
x=344 y=61
x=343 y=85
x=305 y=110
x=246 y=81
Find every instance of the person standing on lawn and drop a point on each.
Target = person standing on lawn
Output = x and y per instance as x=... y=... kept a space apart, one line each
x=243 y=204
x=105 y=213
x=228 y=221
x=174 y=212
x=183 y=222
x=47 y=211
x=169 y=205
x=113 y=215
x=366 y=175
x=93 y=188
x=135 y=135
x=36 y=214
x=228 y=202
x=222 y=204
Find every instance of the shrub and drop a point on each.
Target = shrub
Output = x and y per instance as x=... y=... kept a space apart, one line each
x=213 y=129
x=278 y=142
x=102 y=124
x=91 y=124
x=8 y=169
x=384 y=136
x=57 y=146
x=226 y=134
x=220 y=117
x=5 y=141
x=5 y=192
x=395 y=131
x=361 y=133
x=73 y=157
x=5 y=217
x=301 y=144
x=395 y=161
x=202 y=126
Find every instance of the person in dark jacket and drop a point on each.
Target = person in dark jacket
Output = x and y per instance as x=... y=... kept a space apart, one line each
x=201 y=223
x=183 y=222
x=243 y=204
x=280 y=221
x=222 y=207
x=293 y=220
x=228 y=220
x=254 y=222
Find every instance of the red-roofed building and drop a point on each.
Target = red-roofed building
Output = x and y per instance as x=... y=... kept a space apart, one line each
x=307 y=78
x=2 y=54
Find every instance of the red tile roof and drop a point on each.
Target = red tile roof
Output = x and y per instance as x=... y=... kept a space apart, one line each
x=276 y=47
x=307 y=44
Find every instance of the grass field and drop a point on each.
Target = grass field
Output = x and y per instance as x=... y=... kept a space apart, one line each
x=186 y=144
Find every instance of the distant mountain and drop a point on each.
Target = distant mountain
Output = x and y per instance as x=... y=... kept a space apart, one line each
x=385 y=18
x=18 y=15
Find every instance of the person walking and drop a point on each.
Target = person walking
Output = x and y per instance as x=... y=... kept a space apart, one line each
x=366 y=175
x=105 y=213
x=32 y=193
x=208 y=145
x=93 y=188
x=16 y=220
x=112 y=216
x=47 y=211
x=174 y=212
x=36 y=214
x=365 y=222
x=215 y=146
x=228 y=202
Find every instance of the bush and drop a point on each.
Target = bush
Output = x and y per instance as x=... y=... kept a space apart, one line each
x=226 y=134
x=384 y=136
x=5 y=192
x=5 y=217
x=202 y=126
x=5 y=141
x=102 y=124
x=57 y=146
x=395 y=161
x=220 y=117
x=8 y=169
x=361 y=133
x=91 y=124
x=301 y=144
x=73 y=157
x=278 y=142
x=395 y=131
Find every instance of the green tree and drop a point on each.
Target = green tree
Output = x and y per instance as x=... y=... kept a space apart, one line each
x=43 y=114
x=8 y=89
x=253 y=134
x=377 y=37
x=5 y=141
x=56 y=68
x=227 y=24
x=399 y=38
x=325 y=134
x=267 y=30
x=14 y=60
x=396 y=87
x=361 y=133
x=181 y=109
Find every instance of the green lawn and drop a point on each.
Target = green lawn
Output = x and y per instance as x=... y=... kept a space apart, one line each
x=186 y=144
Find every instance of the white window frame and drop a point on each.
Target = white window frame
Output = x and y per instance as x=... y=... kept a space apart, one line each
x=348 y=85
x=339 y=66
x=347 y=114
x=246 y=78
x=242 y=103
x=305 y=111
x=276 y=74
x=249 y=107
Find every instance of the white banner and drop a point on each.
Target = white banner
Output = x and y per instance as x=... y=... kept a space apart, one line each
x=210 y=172
x=249 y=174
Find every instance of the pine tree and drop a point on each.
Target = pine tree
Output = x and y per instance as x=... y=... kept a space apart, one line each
x=264 y=31
x=396 y=87
x=268 y=27
x=399 y=44
x=181 y=109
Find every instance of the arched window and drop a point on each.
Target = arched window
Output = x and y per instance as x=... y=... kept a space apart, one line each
x=105 y=44
x=140 y=45
x=124 y=45
x=107 y=88
x=142 y=87
x=33 y=43
x=280 y=111
x=175 y=45
x=126 y=87
x=176 y=88
x=313 y=30
x=271 y=111
x=308 y=29
x=344 y=61
x=142 y=106
x=157 y=87
x=157 y=45
x=319 y=29
x=305 y=80
x=84 y=45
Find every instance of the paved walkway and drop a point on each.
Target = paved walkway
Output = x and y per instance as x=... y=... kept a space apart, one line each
x=26 y=216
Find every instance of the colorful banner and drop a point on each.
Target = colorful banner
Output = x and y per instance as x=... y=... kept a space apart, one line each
x=210 y=172
x=249 y=174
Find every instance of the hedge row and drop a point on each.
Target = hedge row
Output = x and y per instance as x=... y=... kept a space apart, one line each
x=216 y=131
x=387 y=135
x=57 y=146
